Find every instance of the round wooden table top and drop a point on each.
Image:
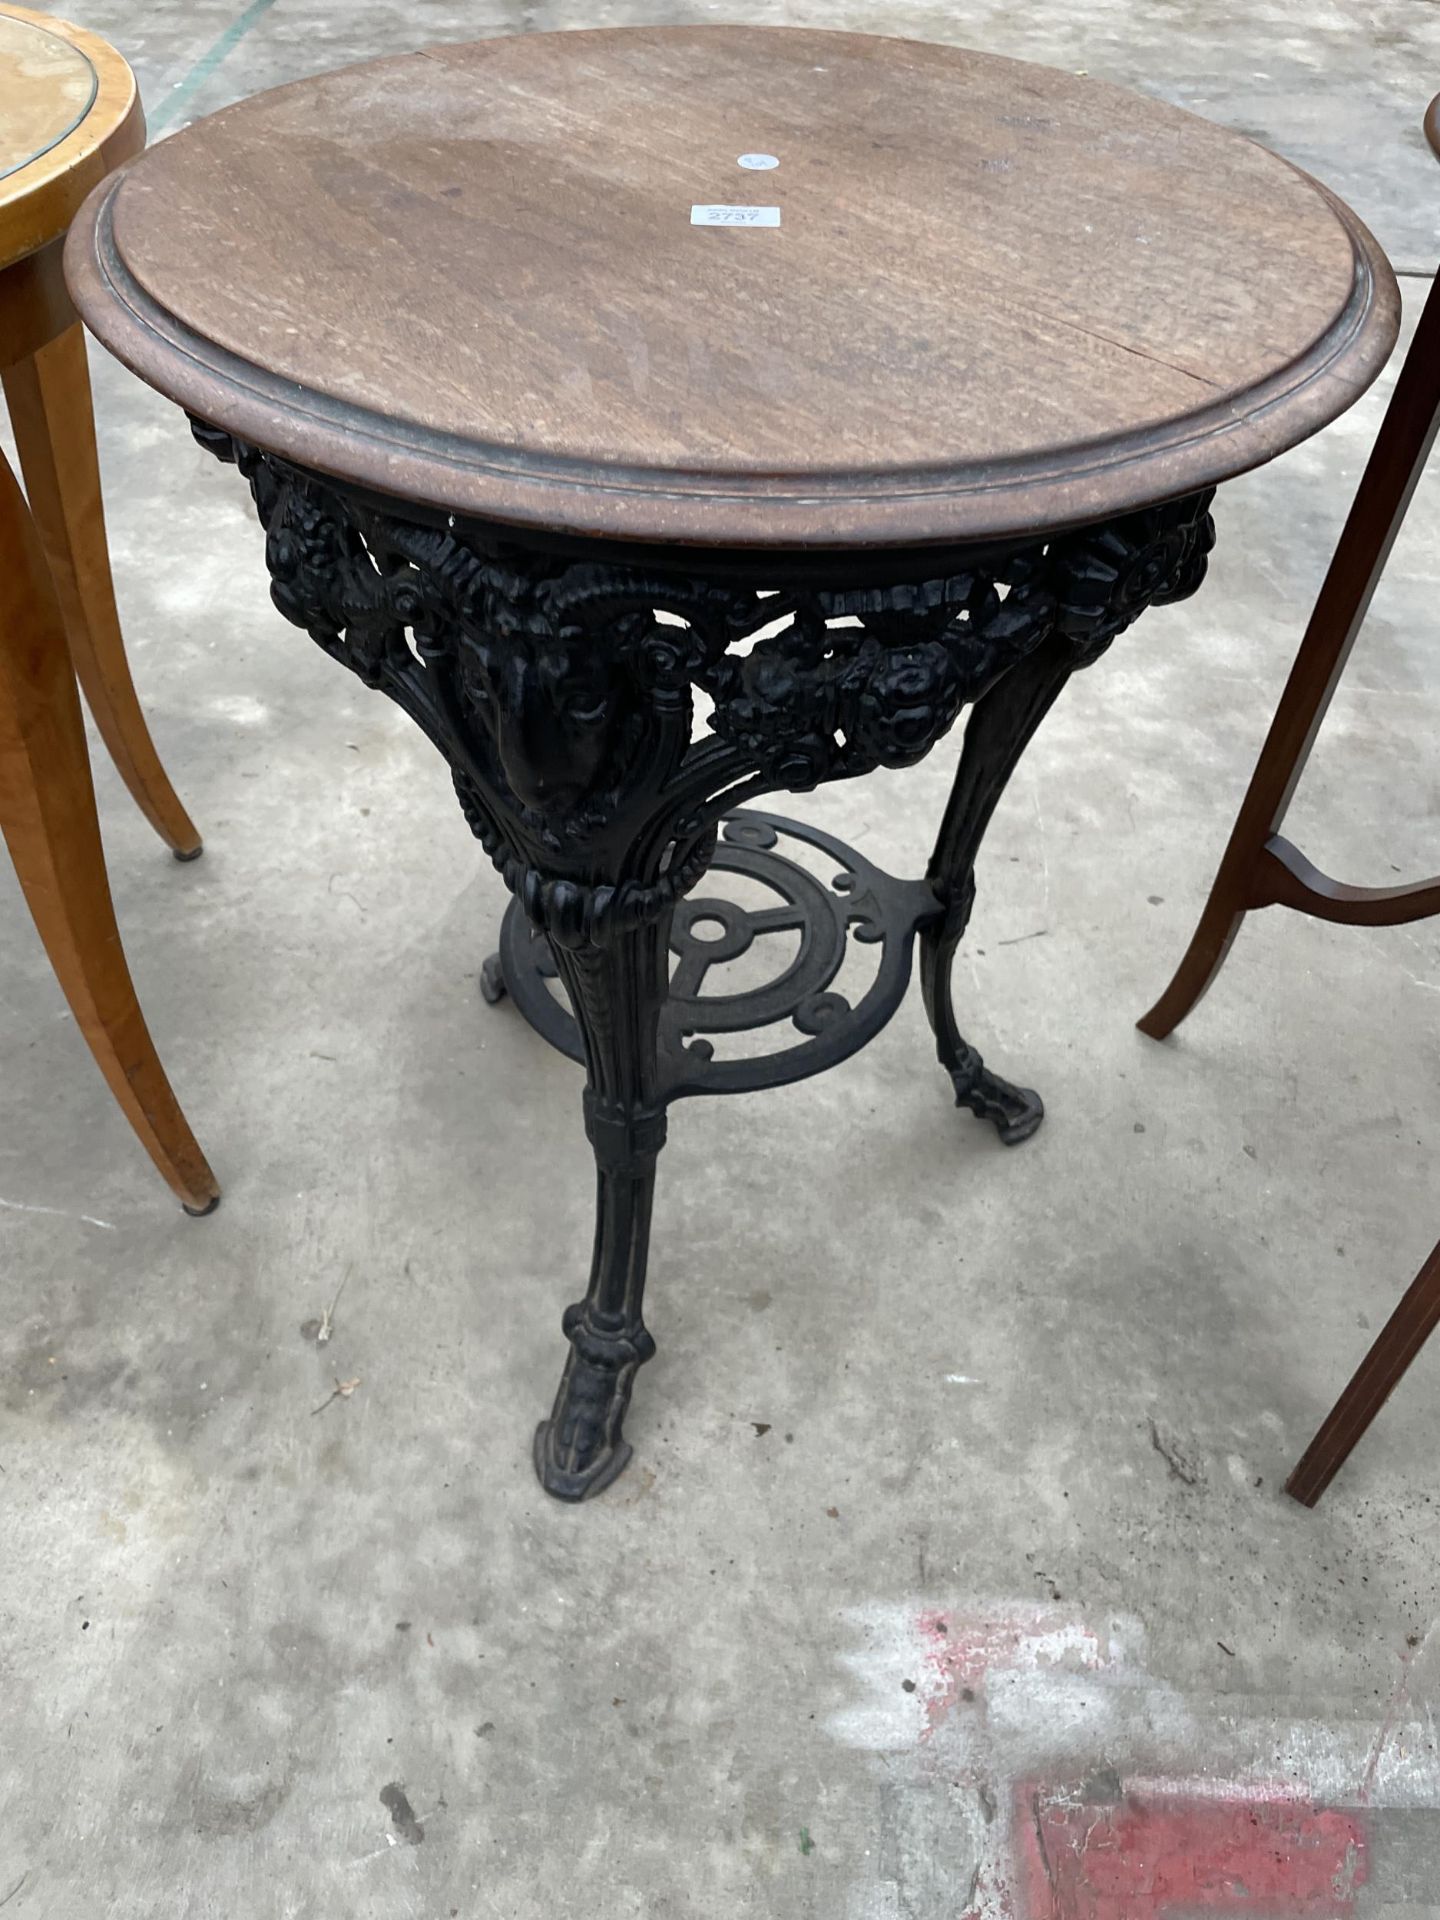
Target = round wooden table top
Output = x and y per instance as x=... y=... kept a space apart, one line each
x=69 y=114
x=961 y=298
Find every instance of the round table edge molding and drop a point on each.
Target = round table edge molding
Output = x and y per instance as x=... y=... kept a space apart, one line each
x=664 y=507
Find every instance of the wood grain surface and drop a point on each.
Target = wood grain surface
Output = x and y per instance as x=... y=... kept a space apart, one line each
x=999 y=297
x=69 y=114
x=46 y=89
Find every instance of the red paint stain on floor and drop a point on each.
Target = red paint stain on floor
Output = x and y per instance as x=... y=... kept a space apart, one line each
x=1146 y=1855
x=963 y=1650
x=990 y=1899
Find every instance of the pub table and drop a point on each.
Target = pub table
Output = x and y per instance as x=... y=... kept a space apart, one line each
x=843 y=381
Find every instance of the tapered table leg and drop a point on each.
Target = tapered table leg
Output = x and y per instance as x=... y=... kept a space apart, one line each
x=50 y=410
x=47 y=812
x=1377 y=1377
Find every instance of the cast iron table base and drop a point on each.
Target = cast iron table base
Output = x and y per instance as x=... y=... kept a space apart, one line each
x=859 y=903
x=558 y=682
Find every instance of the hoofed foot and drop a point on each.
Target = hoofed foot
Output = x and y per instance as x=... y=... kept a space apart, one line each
x=492 y=980
x=566 y=1482
x=1016 y=1112
x=580 y=1449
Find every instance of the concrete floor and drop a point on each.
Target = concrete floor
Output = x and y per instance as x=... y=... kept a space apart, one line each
x=952 y=1566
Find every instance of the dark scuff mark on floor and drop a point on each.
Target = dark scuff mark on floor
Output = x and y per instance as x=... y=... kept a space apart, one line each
x=402 y=1814
x=1184 y=1461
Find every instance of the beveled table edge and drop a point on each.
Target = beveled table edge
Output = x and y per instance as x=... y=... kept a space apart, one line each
x=952 y=505
x=39 y=200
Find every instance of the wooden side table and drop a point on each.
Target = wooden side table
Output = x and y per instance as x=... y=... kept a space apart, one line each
x=845 y=381
x=1261 y=868
x=69 y=114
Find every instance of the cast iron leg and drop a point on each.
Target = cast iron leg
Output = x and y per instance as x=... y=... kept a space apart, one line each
x=617 y=993
x=998 y=730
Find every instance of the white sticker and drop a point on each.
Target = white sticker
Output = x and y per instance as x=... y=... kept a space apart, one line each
x=758 y=162
x=734 y=216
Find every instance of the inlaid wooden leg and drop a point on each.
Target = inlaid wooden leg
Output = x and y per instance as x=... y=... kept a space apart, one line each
x=50 y=410
x=47 y=813
x=1379 y=1373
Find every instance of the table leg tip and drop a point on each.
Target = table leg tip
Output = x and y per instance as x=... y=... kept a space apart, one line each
x=1305 y=1493
x=574 y=1484
x=201 y=1213
x=493 y=986
x=1019 y=1127
x=1014 y=1112
x=186 y=854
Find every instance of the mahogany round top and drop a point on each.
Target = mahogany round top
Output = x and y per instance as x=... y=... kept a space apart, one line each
x=998 y=298
x=69 y=113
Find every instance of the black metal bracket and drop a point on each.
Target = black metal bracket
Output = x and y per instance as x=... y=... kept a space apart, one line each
x=858 y=902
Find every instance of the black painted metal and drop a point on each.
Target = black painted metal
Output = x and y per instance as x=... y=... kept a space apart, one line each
x=860 y=903
x=559 y=687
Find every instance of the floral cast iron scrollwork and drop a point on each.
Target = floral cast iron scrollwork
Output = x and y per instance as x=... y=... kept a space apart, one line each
x=562 y=693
